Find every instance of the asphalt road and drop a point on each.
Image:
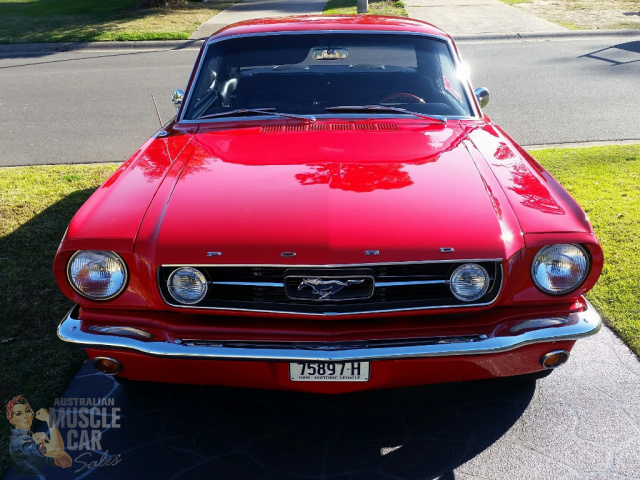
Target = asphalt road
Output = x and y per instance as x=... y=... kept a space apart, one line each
x=566 y=90
x=96 y=106
x=85 y=106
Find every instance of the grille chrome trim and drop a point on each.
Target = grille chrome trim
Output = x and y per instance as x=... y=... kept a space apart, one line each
x=378 y=284
x=332 y=314
x=409 y=283
x=250 y=284
x=399 y=287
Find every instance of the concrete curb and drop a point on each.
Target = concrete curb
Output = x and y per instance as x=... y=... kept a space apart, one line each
x=43 y=48
x=546 y=36
x=603 y=143
x=39 y=48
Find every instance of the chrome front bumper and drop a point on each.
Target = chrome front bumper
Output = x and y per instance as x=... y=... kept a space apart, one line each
x=571 y=327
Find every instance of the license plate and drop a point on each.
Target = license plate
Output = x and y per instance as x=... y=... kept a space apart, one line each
x=329 y=372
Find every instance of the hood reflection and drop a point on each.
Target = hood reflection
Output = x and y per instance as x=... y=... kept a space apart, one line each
x=371 y=160
x=532 y=192
x=356 y=177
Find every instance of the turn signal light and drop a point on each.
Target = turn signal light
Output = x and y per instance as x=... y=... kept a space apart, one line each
x=554 y=359
x=106 y=365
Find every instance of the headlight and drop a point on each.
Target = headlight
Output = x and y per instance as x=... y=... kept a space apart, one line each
x=559 y=269
x=469 y=282
x=96 y=274
x=187 y=285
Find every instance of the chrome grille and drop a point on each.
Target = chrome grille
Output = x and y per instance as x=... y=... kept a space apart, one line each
x=397 y=287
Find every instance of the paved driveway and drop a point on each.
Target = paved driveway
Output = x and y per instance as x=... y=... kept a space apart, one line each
x=582 y=422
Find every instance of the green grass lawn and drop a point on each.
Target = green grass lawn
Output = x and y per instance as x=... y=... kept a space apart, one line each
x=28 y=21
x=33 y=21
x=606 y=182
x=37 y=203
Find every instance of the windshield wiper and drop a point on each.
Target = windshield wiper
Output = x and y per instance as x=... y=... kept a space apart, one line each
x=240 y=112
x=382 y=108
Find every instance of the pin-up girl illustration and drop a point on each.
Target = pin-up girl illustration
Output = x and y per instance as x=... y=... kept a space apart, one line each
x=30 y=451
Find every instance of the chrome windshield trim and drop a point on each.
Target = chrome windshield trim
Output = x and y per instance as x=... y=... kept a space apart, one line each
x=470 y=96
x=580 y=325
x=324 y=117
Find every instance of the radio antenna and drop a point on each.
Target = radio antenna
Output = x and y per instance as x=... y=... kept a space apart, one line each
x=157 y=112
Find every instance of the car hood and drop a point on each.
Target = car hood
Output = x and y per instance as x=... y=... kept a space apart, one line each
x=327 y=196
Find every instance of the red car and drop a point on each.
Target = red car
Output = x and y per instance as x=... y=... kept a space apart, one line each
x=329 y=211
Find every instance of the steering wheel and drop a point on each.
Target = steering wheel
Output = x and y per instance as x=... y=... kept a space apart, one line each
x=402 y=98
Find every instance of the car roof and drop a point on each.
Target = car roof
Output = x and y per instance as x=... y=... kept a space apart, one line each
x=325 y=23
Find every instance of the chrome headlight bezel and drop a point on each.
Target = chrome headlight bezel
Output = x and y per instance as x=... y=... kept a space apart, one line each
x=465 y=268
x=584 y=268
x=198 y=275
x=107 y=256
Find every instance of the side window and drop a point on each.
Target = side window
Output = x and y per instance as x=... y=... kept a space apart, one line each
x=206 y=93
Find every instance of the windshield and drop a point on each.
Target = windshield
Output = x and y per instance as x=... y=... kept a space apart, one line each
x=312 y=74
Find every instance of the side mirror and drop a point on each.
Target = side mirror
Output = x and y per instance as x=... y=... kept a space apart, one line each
x=178 y=96
x=482 y=94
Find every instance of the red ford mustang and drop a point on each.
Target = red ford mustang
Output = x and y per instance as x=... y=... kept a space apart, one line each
x=329 y=211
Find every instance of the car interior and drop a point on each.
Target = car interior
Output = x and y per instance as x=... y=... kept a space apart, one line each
x=319 y=72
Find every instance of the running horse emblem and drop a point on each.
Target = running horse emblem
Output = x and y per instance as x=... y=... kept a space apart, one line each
x=326 y=288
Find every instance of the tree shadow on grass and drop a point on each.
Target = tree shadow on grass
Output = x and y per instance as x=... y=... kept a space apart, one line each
x=35 y=363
